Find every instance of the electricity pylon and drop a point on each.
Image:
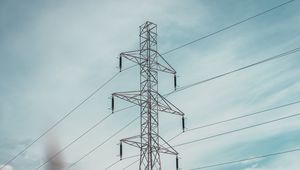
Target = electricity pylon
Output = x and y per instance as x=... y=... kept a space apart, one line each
x=150 y=143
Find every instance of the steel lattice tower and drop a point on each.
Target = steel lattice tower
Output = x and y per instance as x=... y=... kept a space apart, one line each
x=150 y=101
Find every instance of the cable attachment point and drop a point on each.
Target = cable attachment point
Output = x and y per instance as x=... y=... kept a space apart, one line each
x=177 y=163
x=120 y=63
x=183 y=124
x=112 y=104
x=175 y=82
x=121 y=150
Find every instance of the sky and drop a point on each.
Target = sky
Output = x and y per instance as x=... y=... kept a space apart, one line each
x=55 y=53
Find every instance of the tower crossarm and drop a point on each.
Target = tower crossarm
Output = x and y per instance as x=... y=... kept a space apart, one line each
x=133 y=141
x=166 y=148
x=165 y=105
x=164 y=66
x=133 y=56
x=130 y=96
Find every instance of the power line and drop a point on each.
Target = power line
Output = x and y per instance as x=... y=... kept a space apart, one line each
x=98 y=146
x=129 y=157
x=284 y=54
x=130 y=164
x=222 y=121
x=239 y=69
x=75 y=140
x=236 y=161
x=82 y=135
x=247 y=159
x=237 y=130
x=231 y=72
x=64 y=117
x=112 y=164
x=236 y=118
x=225 y=133
x=222 y=29
x=228 y=27
x=61 y=119
x=228 y=73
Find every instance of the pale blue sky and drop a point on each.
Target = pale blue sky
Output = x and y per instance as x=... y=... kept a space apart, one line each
x=55 y=53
